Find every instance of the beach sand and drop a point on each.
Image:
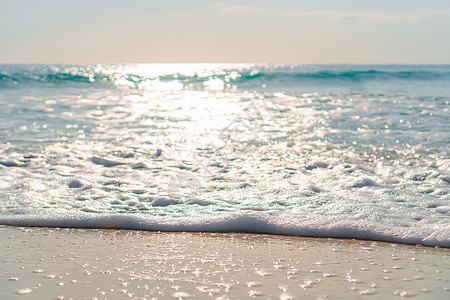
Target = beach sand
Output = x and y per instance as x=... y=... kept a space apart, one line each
x=51 y=263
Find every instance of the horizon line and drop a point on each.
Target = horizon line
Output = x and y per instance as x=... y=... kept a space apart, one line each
x=228 y=63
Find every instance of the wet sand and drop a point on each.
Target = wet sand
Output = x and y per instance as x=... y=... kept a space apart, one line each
x=46 y=263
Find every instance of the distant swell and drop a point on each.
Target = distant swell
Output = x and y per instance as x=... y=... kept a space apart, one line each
x=36 y=75
x=349 y=75
x=11 y=80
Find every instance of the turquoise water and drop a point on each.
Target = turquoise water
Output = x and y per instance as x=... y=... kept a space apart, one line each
x=357 y=151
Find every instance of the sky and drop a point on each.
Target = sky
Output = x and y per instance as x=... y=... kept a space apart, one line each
x=254 y=31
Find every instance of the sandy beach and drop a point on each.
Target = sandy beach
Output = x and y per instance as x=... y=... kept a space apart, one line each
x=51 y=263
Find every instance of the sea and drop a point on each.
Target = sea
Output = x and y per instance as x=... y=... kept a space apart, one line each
x=335 y=151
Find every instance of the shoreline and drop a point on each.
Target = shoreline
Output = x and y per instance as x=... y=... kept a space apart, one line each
x=354 y=239
x=39 y=262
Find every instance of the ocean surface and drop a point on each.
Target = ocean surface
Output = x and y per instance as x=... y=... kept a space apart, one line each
x=344 y=151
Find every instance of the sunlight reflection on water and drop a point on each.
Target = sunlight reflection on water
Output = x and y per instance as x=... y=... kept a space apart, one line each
x=208 y=146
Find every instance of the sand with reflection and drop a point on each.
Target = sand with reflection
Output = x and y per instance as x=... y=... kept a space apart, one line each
x=40 y=263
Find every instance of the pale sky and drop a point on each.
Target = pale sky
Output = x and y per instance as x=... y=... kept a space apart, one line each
x=259 y=31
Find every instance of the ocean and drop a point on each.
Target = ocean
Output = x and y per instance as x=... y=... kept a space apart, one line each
x=342 y=151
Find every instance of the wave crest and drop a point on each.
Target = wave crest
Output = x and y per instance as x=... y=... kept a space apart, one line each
x=12 y=76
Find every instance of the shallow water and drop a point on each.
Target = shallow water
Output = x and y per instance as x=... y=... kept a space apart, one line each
x=335 y=151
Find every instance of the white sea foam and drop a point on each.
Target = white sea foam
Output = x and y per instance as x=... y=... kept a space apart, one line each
x=246 y=222
x=344 y=199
